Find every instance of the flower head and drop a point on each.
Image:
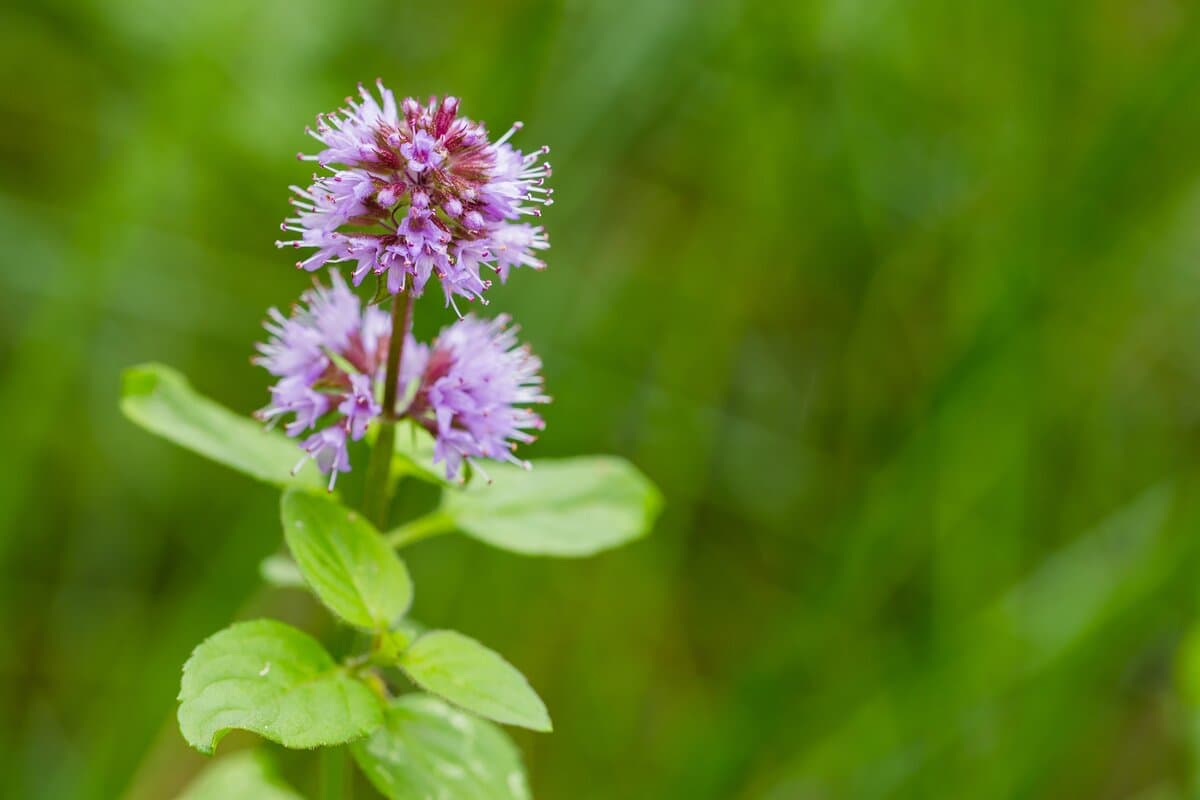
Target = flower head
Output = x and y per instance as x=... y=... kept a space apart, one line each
x=474 y=383
x=329 y=357
x=415 y=191
x=467 y=389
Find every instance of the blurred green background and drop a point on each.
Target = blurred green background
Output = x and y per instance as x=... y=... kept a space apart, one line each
x=898 y=302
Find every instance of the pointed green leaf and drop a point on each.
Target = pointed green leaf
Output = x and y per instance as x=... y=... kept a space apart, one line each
x=413 y=455
x=348 y=564
x=276 y=681
x=569 y=507
x=477 y=679
x=427 y=749
x=279 y=570
x=244 y=775
x=410 y=629
x=161 y=400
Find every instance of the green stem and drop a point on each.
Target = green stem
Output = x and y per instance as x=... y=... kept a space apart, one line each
x=432 y=524
x=377 y=496
x=332 y=774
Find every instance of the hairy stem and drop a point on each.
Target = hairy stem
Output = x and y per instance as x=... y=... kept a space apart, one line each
x=377 y=497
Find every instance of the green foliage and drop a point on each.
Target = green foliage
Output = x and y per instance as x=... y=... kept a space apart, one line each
x=431 y=524
x=279 y=570
x=463 y=671
x=244 y=775
x=162 y=401
x=413 y=455
x=269 y=678
x=564 y=507
x=273 y=680
x=346 y=561
x=1188 y=673
x=427 y=749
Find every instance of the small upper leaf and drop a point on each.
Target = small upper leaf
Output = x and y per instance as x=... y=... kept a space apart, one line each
x=428 y=749
x=568 y=507
x=160 y=400
x=244 y=775
x=345 y=560
x=414 y=455
x=471 y=676
x=279 y=570
x=276 y=681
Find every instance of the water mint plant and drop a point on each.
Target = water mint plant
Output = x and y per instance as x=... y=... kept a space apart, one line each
x=410 y=192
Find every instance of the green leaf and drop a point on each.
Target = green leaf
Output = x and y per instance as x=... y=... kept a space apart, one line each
x=477 y=679
x=161 y=400
x=345 y=560
x=410 y=629
x=381 y=292
x=569 y=507
x=244 y=775
x=413 y=455
x=428 y=749
x=276 y=681
x=279 y=570
x=434 y=523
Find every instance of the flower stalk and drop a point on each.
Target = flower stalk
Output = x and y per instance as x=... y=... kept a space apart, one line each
x=377 y=496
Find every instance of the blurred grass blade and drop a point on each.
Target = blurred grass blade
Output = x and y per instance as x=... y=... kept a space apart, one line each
x=1076 y=595
x=1070 y=592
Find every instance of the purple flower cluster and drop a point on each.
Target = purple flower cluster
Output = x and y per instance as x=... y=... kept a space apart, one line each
x=416 y=190
x=328 y=356
x=472 y=384
x=330 y=360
